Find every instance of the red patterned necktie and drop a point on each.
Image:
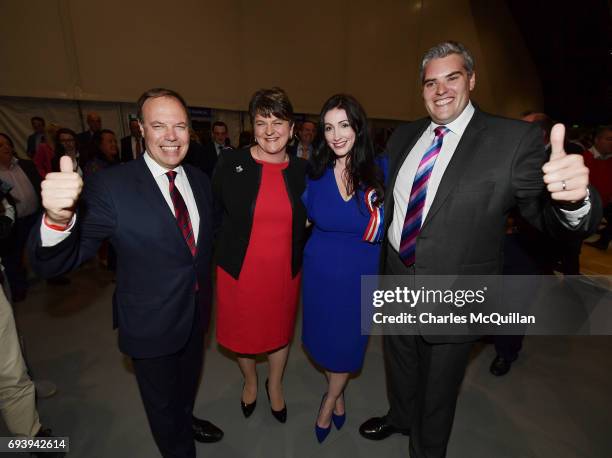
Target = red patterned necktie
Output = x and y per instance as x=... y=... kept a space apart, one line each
x=181 y=213
x=418 y=193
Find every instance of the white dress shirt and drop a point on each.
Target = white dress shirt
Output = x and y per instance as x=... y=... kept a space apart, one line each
x=51 y=237
x=405 y=176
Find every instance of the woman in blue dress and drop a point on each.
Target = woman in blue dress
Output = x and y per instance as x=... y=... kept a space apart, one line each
x=343 y=200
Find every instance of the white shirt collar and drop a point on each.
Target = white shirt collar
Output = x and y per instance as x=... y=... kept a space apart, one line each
x=460 y=123
x=156 y=169
x=596 y=153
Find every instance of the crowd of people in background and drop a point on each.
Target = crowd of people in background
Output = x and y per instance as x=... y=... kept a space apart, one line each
x=281 y=177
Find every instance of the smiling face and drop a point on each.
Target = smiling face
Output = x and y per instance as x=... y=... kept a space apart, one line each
x=165 y=129
x=446 y=88
x=272 y=133
x=339 y=134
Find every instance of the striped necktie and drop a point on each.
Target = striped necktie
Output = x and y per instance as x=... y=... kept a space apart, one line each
x=416 y=203
x=181 y=213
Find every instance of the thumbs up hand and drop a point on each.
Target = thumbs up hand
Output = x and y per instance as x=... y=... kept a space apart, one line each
x=60 y=193
x=565 y=175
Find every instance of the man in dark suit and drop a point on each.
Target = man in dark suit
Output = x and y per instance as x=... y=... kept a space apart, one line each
x=37 y=137
x=132 y=146
x=85 y=138
x=306 y=134
x=469 y=169
x=205 y=157
x=157 y=214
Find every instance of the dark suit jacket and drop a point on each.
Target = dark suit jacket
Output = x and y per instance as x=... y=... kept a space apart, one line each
x=86 y=147
x=126 y=149
x=496 y=167
x=154 y=301
x=204 y=156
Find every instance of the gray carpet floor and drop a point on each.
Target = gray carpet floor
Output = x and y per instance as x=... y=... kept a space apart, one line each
x=555 y=402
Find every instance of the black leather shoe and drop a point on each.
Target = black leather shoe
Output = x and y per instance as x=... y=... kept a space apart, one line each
x=500 y=366
x=247 y=409
x=205 y=431
x=280 y=415
x=378 y=428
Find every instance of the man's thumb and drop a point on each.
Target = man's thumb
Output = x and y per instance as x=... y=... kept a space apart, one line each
x=66 y=164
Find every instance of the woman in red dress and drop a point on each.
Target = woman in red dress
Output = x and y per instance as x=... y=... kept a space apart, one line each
x=259 y=249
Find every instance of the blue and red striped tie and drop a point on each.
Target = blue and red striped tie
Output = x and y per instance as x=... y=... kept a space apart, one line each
x=414 y=213
x=181 y=213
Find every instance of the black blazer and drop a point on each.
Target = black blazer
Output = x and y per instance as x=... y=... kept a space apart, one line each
x=235 y=187
x=126 y=149
x=496 y=167
x=154 y=300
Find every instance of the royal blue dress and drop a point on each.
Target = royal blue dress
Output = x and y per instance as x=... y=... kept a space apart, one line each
x=335 y=258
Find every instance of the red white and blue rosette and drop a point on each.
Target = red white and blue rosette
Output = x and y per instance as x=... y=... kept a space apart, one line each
x=374 y=230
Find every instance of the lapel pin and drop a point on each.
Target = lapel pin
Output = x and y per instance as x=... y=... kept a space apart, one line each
x=239 y=169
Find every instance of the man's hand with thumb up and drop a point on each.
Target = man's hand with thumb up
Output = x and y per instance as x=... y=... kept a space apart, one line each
x=60 y=193
x=565 y=175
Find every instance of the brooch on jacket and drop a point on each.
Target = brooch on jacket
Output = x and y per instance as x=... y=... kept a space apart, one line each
x=239 y=169
x=374 y=230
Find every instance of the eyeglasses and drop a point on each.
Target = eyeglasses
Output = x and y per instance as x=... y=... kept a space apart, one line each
x=71 y=140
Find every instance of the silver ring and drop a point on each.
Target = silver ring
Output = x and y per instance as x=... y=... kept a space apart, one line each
x=563 y=186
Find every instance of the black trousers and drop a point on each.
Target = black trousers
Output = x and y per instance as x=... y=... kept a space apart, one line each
x=168 y=387
x=423 y=381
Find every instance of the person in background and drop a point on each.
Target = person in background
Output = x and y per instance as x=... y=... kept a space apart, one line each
x=306 y=135
x=66 y=145
x=85 y=138
x=24 y=181
x=132 y=146
x=206 y=156
x=46 y=151
x=17 y=391
x=106 y=152
x=37 y=137
x=598 y=158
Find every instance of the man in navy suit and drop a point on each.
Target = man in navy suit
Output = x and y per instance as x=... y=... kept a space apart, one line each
x=156 y=212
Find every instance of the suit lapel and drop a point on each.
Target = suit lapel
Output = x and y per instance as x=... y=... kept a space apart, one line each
x=151 y=193
x=396 y=165
x=460 y=162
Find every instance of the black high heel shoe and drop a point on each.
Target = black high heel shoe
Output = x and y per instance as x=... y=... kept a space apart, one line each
x=280 y=415
x=247 y=409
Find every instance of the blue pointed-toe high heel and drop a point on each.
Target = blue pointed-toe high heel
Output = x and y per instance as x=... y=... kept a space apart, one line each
x=339 y=420
x=322 y=433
